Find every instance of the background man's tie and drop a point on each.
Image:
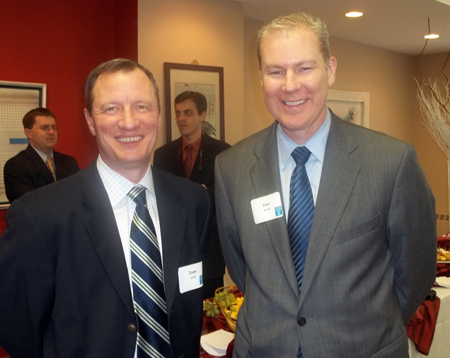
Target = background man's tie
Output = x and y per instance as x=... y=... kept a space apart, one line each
x=51 y=167
x=188 y=161
x=301 y=211
x=148 y=287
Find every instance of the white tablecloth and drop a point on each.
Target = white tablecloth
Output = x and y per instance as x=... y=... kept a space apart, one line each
x=440 y=348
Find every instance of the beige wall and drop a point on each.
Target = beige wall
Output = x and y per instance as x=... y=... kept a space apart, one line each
x=215 y=33
x=209 y=31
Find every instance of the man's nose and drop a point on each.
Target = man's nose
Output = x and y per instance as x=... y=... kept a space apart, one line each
x=128 y=120
x=291 y=82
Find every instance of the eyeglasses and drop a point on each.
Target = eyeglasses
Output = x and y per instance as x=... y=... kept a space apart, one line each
x=46 y=128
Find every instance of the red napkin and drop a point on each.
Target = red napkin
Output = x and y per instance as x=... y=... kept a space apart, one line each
x=421 y=327
x=443 y=270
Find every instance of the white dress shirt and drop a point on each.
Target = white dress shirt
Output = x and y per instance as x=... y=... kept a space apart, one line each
x=316 y=146
x=123 y=207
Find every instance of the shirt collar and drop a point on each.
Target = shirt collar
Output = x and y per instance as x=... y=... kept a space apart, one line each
x=195 y=145
x=316 y=144
x=42 y=154
x=118 y=186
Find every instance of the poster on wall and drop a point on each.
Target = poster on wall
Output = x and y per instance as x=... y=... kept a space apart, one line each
x=350 y=106
x=16 y=99
x=205 y=79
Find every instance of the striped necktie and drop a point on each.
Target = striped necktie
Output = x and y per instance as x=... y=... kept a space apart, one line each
x=301 y=211
x=148 y=287
x=51 y=167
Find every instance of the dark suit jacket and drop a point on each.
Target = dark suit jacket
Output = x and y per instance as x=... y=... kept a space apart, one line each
x=27 y=171
x=65 y=290
x=170 y=159
x=371 y=257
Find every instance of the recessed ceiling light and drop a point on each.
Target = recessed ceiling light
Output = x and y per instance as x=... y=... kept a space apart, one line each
x=431 y=36
x=354 y=14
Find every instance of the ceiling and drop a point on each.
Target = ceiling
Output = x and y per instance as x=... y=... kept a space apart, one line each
x=397 y=25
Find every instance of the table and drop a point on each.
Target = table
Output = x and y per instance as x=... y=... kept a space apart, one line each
x=440 y=348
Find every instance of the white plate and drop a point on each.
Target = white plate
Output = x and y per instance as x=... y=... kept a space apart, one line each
x=443 y=262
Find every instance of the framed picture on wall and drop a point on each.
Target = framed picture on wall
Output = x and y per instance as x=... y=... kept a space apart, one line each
x=16 y=99
x=205 y=79
x=350 y=106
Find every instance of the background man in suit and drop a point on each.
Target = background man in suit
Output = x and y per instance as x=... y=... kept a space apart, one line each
x=369 y=257
x=190 y=111
x=30 y=169
x=70 y=286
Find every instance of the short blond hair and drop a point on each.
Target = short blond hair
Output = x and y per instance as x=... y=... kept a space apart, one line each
x=286 y=23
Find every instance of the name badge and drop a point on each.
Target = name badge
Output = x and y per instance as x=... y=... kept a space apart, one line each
x=190 y=277
x=267 y=208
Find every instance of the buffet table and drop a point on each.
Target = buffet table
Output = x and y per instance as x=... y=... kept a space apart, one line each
x=440 y=346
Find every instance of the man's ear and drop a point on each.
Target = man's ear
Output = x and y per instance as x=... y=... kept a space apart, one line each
x=203 y=116
x=27 y=132
x=90 y=122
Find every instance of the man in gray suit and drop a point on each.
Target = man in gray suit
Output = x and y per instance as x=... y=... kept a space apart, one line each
x=369 y=258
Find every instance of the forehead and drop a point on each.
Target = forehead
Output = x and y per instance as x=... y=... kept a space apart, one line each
x=41 y=120
x=295 y=41
x=186 y=104
x=126 y=84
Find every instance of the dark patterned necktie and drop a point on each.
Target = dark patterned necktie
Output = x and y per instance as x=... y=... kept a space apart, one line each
x=188 y=161
x=148 y=287
x=301 y=211
x=51 y=167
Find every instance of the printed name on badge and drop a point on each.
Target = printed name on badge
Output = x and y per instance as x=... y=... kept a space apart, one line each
x=190 y=277
x=267 y=208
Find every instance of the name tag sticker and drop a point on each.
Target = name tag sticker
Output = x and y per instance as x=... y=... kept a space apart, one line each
x=190 y=277
x=267 y=208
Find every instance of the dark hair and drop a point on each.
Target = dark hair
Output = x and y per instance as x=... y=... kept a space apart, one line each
x=116 y=65
x=30 y=117
x=198 y=98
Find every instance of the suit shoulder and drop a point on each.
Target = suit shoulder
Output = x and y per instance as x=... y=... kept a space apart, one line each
x=62 y=156
x=247 y=145
x=19 y=160
x=182 y=184
x=167 y=148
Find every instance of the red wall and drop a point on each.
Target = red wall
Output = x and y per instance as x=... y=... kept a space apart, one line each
x=59 y=43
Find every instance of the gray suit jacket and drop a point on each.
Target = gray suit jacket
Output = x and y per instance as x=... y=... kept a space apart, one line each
x=371 y=257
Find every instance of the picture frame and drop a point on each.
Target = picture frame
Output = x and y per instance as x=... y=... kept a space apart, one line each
x=205 y=79
x=16 y=99
x=350 y=106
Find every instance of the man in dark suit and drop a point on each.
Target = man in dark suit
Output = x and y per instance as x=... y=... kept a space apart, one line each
x=38 y=164
x=339 y=270
x=190 y=111
x=75 y=279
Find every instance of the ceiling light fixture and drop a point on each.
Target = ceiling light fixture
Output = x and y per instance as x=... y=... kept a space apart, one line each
x=431 y=36
x=354 y=14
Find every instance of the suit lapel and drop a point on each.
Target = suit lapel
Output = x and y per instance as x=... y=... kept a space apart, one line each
x=37 y=161
x=172 y=219
x=266 y=180
x=339 y=175
x=102 y=228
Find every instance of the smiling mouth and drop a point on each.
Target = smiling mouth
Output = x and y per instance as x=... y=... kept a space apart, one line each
x=129 y=139
x=294 y=103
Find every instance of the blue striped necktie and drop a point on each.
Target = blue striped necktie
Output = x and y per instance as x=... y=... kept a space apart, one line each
x=301 y=211
x=148 y=287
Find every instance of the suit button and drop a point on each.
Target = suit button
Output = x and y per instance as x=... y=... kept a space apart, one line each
x=131 y=328
x=302 y=321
